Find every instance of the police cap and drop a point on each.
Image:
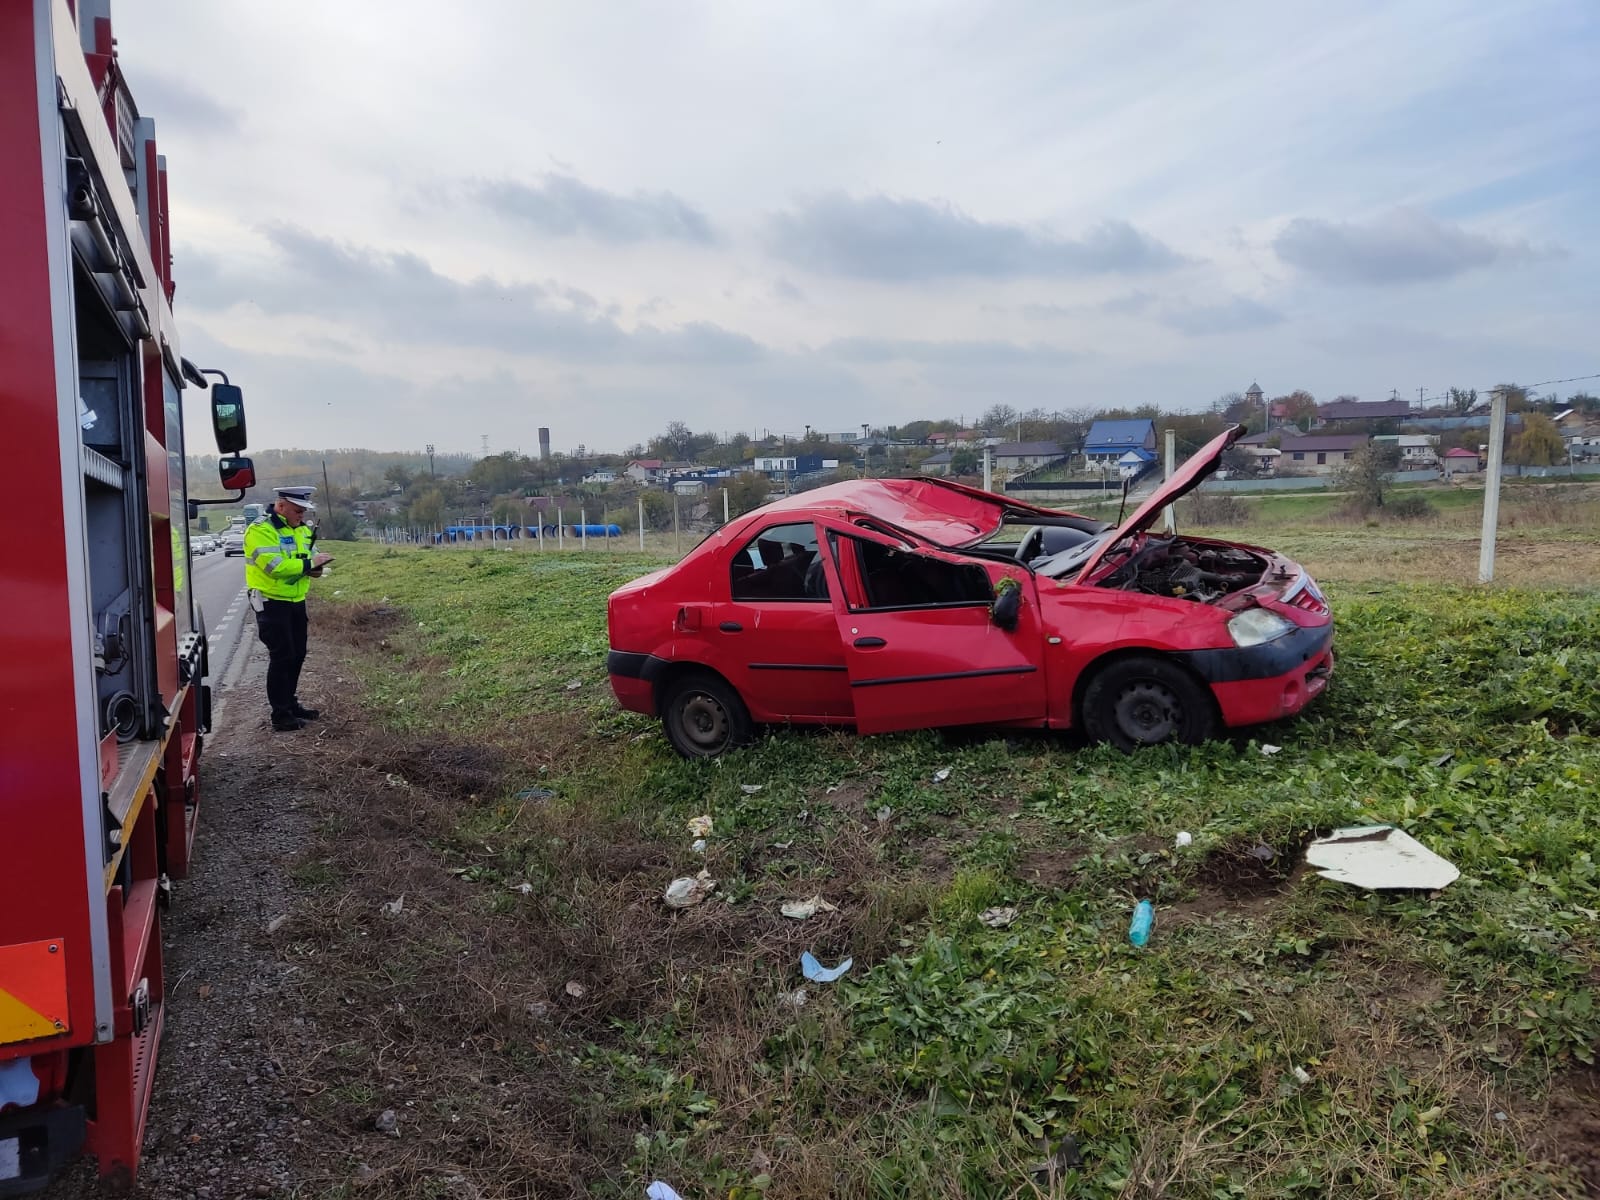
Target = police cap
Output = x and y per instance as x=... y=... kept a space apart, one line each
x=300 y=497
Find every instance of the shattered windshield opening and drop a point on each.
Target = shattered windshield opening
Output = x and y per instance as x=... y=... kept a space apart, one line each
x=1069 y=561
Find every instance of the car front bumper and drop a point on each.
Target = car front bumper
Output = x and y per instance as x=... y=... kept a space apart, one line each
x=1255 y=684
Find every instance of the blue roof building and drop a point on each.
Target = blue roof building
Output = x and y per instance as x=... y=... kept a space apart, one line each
x=1110 y=440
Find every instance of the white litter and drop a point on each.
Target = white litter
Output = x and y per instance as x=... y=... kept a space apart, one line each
x=396 y=906
x=883 y=814
x=661 y=1191
x=804 y=910
x=941 y=774
x=1302 y=1075
x=1269 y=749
x=576 y=990
x=700 y=826
x=1379 y=856
x=997 y=918
x=1185 y=838
x=750 y=789
x=689 y=890
x=698 y=845
x=574 y=684
x=525 y=888
x=795 y=999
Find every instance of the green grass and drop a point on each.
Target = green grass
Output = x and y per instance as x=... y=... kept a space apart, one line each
x=955 y=1057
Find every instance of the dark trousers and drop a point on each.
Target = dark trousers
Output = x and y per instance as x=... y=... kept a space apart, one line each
x=281 y=625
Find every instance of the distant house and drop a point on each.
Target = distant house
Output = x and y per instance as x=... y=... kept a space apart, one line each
x=791 y=464
x=1024 y=456
x=1134 y=461
x=1320 y=454
x=645 y=470
x=1266 y=457
x=1460 y=461
x=1417 y=450
x=1108 y=441
x=1362 y=410
x=937 y=464
x=601 y=475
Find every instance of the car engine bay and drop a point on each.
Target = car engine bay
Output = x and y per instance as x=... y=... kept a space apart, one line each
x=1188 y=570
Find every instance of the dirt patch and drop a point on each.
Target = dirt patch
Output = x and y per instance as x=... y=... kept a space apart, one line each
x=1570 y=1137
x=1248 y=868
x=1051 y=868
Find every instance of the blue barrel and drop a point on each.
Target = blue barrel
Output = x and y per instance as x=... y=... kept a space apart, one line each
x=596 y=531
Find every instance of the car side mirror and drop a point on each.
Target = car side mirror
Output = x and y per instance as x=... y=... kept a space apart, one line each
x=237 y=474
x=227 y=417
x=1007 y=606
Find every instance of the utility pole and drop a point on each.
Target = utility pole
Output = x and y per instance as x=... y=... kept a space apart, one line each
x=430 y=462
x=1491 y=486
x=1171 y=463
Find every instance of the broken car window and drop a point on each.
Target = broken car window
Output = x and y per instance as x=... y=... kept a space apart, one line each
x=780 y=563
x=899 y=579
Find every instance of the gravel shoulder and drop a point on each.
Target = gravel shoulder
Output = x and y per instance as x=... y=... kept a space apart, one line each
x=223 y=1120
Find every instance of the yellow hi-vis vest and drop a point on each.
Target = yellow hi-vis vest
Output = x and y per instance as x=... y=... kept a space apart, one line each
x=277 y=557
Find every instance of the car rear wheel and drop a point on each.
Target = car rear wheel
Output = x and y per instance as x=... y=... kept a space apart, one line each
x=1144 y=701
x=703 y=716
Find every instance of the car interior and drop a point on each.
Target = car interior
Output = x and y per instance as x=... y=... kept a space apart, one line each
x=897 y=579
x=780 y=563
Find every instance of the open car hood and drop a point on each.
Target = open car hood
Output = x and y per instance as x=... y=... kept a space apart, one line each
x=1184 y=480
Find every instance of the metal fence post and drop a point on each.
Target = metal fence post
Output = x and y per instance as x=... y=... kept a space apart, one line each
x=677 y=533
x=641 y=524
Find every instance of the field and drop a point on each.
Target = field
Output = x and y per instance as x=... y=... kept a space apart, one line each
x=546 y=1026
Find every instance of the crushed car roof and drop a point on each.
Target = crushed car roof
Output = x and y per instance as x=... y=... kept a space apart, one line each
x=939 y=510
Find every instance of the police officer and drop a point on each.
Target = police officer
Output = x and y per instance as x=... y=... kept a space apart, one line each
x=280 y=560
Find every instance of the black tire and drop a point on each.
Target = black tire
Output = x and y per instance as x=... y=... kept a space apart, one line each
x=1146 y=701
x=703 y=715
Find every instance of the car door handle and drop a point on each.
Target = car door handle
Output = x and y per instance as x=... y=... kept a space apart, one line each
x=869 y=643
x=731 y=627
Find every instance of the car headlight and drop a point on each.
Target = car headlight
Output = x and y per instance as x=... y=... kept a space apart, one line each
x=1257 y=625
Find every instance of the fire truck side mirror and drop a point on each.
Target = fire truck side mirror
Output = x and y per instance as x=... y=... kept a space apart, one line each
x=237 y=473
x=227 y=417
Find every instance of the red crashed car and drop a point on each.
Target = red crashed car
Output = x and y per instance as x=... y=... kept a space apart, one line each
x=889 y=604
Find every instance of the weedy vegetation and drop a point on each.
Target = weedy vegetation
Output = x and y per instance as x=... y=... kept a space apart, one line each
x=544 y=1025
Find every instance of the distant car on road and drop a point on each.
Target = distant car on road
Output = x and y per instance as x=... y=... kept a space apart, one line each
x=233 y=543
x=888 y=604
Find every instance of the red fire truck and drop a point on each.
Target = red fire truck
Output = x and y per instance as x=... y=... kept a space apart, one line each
x=103 y=702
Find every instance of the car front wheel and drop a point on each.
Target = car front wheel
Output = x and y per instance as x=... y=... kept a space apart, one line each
x=703 y=716
x=1146 y=701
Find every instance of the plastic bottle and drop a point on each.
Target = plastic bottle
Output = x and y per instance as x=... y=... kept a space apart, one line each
x=1144 y=917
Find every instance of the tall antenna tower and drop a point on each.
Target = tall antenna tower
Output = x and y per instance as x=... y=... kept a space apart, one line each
x=486 y=445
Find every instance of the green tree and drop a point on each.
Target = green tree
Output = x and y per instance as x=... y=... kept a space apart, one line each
x=1365 y=474
x=1539 y=444
x=398 y=474
x=427 y=508
x=499 y=473
x=1462 y=400
x=964 y=461
x=657 y=509
x=1299 y=408
x=746 y=492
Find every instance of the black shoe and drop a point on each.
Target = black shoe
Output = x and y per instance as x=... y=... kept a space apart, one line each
x=287 y=724
x=306 y=714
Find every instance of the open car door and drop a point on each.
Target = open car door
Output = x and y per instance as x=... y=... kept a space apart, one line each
x=920 y=644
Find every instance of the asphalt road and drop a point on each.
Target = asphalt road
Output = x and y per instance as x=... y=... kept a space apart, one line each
x=219 y=590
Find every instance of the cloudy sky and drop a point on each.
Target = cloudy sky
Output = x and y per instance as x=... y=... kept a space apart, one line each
x=407 y=223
